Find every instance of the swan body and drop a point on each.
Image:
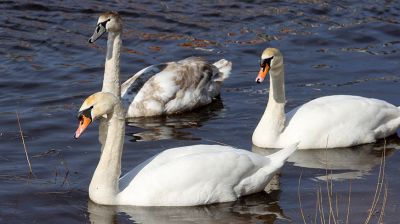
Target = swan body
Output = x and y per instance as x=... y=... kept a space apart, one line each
x=197 y=175
x=166 y=88
x=326 y=122
x=173 y=87
x=183 y=176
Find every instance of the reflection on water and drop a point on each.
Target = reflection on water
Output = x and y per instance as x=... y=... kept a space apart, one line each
x=256 y=208
x=347 y=163
x=172 y=126
x=47 y=68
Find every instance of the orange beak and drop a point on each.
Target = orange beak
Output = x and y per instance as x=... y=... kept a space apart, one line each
x=83 y=124
x=262 y=74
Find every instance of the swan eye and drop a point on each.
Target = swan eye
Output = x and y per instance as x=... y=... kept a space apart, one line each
x=103 y=24
x=85 y=113
x=266 y=61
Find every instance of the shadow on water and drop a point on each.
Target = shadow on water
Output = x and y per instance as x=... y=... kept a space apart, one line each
x=261 y=207
x=172 y=126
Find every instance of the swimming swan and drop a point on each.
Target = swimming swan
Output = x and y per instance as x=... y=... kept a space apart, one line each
x=166 y=88
x=330 y=121
x=184 y=176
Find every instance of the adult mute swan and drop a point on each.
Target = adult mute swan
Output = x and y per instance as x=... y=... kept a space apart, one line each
x=184 y=176
x=330 y=121
x=167 y=88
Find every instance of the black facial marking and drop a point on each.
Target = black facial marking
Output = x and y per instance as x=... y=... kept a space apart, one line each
x=266 y=61
x=104 y=23
x=87 y=113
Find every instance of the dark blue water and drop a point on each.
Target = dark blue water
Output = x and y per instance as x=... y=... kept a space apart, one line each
x=47 y=68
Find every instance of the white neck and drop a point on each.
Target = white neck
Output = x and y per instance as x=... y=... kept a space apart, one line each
x=272 y=122
x=111 y=81
x=104 y=187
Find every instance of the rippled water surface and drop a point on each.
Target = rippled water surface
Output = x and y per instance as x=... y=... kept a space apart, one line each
x=47 y=68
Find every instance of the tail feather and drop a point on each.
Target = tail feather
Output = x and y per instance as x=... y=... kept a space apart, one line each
x=283 y=154
x=224 y=67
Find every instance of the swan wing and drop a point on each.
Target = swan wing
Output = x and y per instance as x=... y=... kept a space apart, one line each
x=133 y=85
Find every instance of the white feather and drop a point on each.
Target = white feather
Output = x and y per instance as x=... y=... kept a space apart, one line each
x=199 y=174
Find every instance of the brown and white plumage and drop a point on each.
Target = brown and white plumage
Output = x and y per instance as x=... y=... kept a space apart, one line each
x=166 y=88
x=173 y=87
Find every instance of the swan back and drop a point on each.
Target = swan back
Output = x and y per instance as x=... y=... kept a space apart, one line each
x=340 y=121
x=174 y=87
x=199 y=174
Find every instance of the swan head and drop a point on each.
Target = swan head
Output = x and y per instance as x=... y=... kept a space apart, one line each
x=107 y=22
x=93 y=107
x=271 y=59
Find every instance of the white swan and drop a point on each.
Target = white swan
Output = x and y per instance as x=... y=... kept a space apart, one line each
x=184 y=176
x=331 y=121
x=167 y=88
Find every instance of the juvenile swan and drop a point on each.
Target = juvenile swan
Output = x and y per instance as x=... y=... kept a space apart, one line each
x=331 y=121
x=184 y=176
x=167 y=88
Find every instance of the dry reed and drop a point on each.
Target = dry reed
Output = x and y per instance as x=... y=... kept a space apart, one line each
x=328 y=212
x=23 y=143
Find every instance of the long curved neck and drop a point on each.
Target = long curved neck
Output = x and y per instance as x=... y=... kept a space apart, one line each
x=111 y=81
x=276 y=98
x=272 y=122
x=104 y=185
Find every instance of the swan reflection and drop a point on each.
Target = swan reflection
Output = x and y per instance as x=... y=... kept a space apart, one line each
x=345 y=163
x=172 y=126
x=256 y=208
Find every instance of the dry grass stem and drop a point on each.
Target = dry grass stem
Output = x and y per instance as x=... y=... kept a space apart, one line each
x=382 y=213
x=337 y=206
x=380 y=220
x=379 y=186
x=65 y=168
x=327 y=210
x=316 y=209
x=329 y=186
x=348 y=204
x=321 y=205
x=299 y=196
x=23 y=143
